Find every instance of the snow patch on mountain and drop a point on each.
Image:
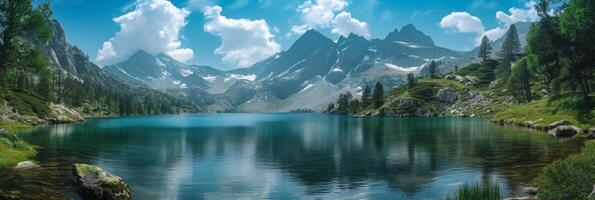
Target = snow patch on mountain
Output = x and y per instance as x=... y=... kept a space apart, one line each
x=186 y=72
x=250 y=77
x=210 y=78
x=159 y=62
x=404 y=69
x=306 y=88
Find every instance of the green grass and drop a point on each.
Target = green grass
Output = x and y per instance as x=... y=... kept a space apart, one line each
x=571 y=178
x=13 y=126
x=545 y=111
x=477 y=192
x=424 y=91
x=14 y=150
x=28 y=104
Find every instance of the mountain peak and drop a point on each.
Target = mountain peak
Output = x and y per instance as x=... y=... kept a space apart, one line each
x=141 y=54
x=341 y=39
x=313 y=34
x=312 y=38
x=353 y=36
x=410 y=34
x=409 y=28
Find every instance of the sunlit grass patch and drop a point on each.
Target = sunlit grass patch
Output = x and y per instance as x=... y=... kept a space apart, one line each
x=477 y=192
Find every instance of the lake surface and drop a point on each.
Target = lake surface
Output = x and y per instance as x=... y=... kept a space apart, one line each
x=289 y=156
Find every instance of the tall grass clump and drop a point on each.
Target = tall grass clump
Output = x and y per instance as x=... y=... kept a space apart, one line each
x=570 y=178
x=477 y=192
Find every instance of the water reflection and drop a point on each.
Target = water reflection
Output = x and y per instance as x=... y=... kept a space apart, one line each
x=295 y=156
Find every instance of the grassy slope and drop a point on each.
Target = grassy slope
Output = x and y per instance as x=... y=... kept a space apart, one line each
x=425 y=92
x=14 y=150
x=11 y=151
x=545 y=111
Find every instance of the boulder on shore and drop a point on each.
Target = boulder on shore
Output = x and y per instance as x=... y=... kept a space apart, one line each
x=564 y=131
x=448 y=95
x=98 y=184
x=555 y=124
x=518 y=198
x=530 y=190
x=26 y=165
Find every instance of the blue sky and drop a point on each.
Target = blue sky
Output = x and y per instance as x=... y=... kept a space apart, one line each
x=90 y=23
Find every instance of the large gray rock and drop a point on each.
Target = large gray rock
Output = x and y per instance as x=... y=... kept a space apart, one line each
x=26 y=165
x=530 y=190
x=409 y=102
x=518 y=198
x=95 y=183
x=564 y=131
x=448 y=95
x=558 y=123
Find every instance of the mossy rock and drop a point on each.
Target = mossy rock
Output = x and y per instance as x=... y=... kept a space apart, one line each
x=95 y=183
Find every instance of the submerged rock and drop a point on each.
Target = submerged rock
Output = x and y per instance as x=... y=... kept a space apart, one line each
x=10 y=195
x=26 y=165
x=564 y=131
x=98 y=184
x=558 y=123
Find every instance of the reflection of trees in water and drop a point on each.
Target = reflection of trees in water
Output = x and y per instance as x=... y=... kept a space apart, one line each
x=425 y=147
x=407 y=154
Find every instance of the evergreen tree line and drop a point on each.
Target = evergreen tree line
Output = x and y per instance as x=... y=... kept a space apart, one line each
x=24 y=67
x=559 y=56
x=347 y=104
x=560 y=51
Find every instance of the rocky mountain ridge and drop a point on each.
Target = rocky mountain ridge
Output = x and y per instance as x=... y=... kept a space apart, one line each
x=311 y=73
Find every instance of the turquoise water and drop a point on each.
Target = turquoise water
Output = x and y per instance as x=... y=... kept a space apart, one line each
x=290 y=156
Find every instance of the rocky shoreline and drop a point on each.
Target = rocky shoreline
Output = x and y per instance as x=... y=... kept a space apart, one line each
x=559 y=129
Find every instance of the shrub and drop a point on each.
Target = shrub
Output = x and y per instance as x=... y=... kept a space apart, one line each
x=423 y=91
x=571 y=178
x=477 y=192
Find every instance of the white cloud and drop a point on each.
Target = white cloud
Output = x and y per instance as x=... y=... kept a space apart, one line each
x=329 y=14
x=462 y=22
x=527 y=14
x=344 y=24
x=243 y=42
x=153 y=26
x=465 y=23
x=320 y=13
x=298 y=29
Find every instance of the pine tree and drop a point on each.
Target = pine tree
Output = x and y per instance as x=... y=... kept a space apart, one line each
x=485 y=49
x=343 y=103
x=577 y=23
x=411 y=80
x=378 y=95
x=511 y=48
x=354 y=106
x=519 y=82
x=21 y=20
x=366 y=97
x=432 y=69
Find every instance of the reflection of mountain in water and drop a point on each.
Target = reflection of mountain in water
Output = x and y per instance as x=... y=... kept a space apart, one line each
x=311 y=155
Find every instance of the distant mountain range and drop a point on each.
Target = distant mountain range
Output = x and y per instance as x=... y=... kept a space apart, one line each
x=70 y=63
x=310 y=74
